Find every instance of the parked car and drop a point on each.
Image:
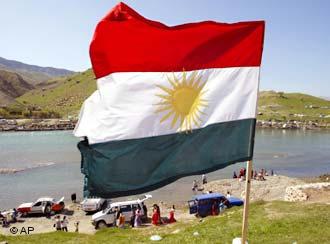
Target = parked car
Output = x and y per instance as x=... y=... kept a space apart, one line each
x=93 y=204
x=107 y=216
x=201 y=205
x=44 y=205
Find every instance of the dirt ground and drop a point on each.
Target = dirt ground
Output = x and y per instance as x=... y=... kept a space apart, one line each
x=273 y=188
x=74 y=213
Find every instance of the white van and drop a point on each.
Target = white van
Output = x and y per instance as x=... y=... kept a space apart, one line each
x=107 y=216
x=93 y=204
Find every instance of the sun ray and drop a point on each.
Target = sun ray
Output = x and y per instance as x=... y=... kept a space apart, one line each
x=196 y=84
x=168 y=107
x=183 y=102
x=184 y=78
x=175 y=119
x=195 y=121
x=165 y=97
x=165 y=117
x=173 y=83
x=192 y=78
x=165 y=89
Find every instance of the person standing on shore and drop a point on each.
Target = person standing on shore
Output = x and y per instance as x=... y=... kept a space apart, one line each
x=171 y=218
x=64 y=224
x=145 y=212
x=76 y=225
x=117 y=214
x=194 y=186
x=204 y=180
x=155 y=216
x=57 y=224
x=214 y=208
x=121 y=220
x=132 y=220
x=137 y=220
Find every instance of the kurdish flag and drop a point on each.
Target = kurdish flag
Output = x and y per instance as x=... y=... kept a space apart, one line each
x=171 y=101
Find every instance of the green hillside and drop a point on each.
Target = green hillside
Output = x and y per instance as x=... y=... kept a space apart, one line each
x=67 y=95
x=292 y=106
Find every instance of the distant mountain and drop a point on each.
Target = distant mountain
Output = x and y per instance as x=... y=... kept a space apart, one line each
x=12 y=85
x=326 y=98
x=33 y=74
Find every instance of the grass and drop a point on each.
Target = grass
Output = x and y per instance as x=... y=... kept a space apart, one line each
x=286 y=106
x=273 y=222
x=65 y=98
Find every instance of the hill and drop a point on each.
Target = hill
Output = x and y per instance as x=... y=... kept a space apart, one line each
x=32 y=73
x=67 y=97
x=12 y=85
x=64 y=96
x=292 y=106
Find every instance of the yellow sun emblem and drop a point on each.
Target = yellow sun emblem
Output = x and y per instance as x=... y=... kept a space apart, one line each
x=182 y=101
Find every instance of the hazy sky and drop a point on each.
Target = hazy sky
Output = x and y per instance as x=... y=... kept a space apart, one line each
x=57 y=33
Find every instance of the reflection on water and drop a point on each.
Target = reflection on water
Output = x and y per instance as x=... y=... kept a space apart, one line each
x=288 y=152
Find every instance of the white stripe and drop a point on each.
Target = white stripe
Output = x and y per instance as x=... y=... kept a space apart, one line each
x=124 y=107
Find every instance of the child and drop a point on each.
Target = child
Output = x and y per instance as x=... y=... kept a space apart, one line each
x=64 y=224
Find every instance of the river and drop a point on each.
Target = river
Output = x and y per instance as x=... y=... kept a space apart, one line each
x=49 y=163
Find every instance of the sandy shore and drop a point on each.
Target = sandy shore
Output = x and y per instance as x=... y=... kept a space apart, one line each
x=74 y=213
x=273 y=188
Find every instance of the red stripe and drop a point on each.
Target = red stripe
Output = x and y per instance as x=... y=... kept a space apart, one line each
x=124 y=41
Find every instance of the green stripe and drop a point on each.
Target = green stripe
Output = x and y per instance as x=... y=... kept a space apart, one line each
x=135 y=166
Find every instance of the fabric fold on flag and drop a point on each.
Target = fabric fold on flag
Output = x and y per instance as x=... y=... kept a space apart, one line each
x=171 y=101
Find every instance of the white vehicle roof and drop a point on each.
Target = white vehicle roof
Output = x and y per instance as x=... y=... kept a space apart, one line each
x=137 y=201
x=46 y=199
x=92 y=200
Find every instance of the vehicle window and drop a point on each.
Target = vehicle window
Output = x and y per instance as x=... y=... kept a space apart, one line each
x=135 y=206
x=37 y=204
x=126 y=208
x=192 y=203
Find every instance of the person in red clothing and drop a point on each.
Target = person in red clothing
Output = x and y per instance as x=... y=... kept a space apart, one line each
x=155 y=220
x=171 y=218
x=214 y=209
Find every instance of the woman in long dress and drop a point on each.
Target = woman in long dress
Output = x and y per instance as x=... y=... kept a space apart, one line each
x=155 y=216
x=137 y=222
x=171 y=218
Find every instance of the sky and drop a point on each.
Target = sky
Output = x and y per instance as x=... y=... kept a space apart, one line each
x=57 y=33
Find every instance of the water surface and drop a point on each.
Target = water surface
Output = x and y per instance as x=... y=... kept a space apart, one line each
x=50 y=163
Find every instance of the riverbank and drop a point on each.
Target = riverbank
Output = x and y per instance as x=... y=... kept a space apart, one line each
x=69 y=124
x=274 y=188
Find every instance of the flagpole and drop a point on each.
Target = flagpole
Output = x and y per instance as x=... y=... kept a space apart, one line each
x=248 y=178
x=246 y=200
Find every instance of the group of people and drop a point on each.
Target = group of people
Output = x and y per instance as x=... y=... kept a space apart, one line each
x=254 y=174
x=137 y=217
x=195 y=187
x=62 y=224
x=156 y=218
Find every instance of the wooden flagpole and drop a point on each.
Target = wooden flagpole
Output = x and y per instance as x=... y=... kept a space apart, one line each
x=246 y=201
